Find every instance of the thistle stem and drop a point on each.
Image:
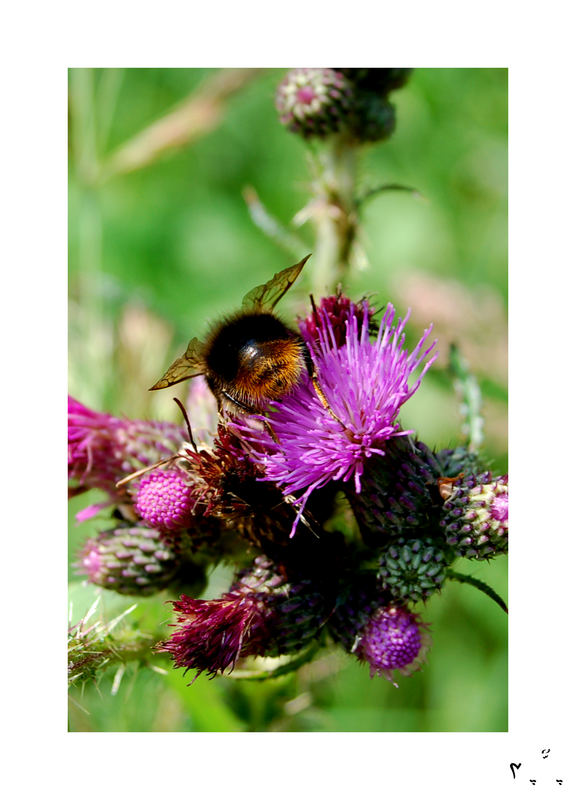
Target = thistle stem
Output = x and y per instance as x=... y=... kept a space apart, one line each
x=335 y=215
x=461 y=578
x=468 y=390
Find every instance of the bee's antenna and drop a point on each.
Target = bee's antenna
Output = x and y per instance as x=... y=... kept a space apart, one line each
x=187 y=421
x=143 y=471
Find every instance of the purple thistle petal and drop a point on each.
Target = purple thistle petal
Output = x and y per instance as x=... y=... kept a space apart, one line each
x=91 y=511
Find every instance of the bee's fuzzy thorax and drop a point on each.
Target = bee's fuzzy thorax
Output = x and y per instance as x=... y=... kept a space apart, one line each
x=253 y=358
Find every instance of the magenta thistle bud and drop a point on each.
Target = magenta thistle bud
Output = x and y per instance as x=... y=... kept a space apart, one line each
x=365 y=383
x=333 y=311
x=314 y=102
x=393 y=639
x=103 y=449
x=129 y=560
x=164 y=500
x=476 y=516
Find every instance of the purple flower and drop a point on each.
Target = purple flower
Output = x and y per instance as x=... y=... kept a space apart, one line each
x=164 y=500
x=335 y=311
x=365 y=383
x=393 y=638
x=499 y=507
x=212 y=634
x=379 y=631
x=93 y=458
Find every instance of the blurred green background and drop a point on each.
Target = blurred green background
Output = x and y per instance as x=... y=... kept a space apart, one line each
x=161 y=241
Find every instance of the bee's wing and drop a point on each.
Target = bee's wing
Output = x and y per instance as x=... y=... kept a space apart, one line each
x=264 y=297
x=187 y=366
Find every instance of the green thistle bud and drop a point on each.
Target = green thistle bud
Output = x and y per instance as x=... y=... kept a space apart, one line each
x=475 y=518
x=380 y=80
x=400 y=493
x=453 y=462
x=129 y=560
x=373 y=119
x=413 y=569
x=314 y=102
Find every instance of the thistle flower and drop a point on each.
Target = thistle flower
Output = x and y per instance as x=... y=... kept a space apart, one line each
x=164 y=500
x=129 y=560
x=261 y=614
x=378 y=631
x=102 y=449
x=223 y=487
x=211 y=633
x=333 y=312
x=476 y=516
x=365 y=383
x=314 y=102
x=393 y=639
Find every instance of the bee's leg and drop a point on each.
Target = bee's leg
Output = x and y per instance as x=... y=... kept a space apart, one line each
x=319 y=390
x=249 y=410
x=322 y=397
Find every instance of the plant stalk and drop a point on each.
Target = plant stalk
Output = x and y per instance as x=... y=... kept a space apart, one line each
x=334 y=213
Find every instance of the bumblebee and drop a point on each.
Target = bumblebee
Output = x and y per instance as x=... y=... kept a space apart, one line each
x=251 y=357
